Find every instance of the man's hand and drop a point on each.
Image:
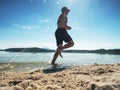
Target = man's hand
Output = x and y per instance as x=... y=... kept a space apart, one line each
x=68 y=27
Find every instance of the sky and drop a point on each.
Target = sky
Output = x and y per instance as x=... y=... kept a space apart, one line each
x=32 y=23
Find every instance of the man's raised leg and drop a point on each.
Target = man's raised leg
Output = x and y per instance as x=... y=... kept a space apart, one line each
x=60 y=48
x=68 y=45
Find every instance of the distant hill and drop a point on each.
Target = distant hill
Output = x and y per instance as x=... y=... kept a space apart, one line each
x=99 y=51
x=35 y=49
x=1 y=49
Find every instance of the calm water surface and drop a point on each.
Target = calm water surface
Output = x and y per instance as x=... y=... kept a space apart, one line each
x=18 y=60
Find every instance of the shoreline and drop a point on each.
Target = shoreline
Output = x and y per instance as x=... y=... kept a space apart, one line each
x=89 y=77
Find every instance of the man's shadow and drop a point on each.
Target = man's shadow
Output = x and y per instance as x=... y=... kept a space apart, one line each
x=54 y=68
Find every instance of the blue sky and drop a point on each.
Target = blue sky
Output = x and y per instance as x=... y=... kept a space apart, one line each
x=32 y=23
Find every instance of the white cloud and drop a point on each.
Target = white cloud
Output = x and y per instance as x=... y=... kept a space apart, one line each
x=32 y=43
x=57 y=2
x=94 y=45
x=70 y=1
x=67 y=2
x=45 y=21
x=48 y=29
x=43 y=1
x=76 y=26
x=31 y=0
x=26 y=27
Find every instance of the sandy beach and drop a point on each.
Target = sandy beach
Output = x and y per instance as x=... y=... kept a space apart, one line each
x=90 y=77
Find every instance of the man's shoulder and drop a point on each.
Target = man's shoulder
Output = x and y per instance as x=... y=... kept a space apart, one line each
x=63 y=15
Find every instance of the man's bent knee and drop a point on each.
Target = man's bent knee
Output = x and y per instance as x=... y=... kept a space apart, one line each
x=71 y=43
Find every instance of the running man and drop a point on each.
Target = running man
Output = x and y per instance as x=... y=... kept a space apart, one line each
x=61 y=34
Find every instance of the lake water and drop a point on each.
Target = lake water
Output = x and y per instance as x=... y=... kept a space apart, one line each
x=28 y=61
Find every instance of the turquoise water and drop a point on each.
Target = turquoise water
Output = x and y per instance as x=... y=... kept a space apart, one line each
x=28 y=61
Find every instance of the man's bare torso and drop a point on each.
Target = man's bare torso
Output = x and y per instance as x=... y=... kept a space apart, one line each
x=62 y=21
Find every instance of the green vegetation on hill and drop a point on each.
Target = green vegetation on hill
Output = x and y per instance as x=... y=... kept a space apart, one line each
x=34 y=49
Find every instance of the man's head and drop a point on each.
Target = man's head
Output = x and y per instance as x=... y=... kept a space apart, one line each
x=65 y=10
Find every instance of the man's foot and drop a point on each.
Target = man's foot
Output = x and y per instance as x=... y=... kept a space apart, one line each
x=53 y=63
x=61 y=53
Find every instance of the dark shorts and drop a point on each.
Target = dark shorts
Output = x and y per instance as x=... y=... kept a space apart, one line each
x=61 y=35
